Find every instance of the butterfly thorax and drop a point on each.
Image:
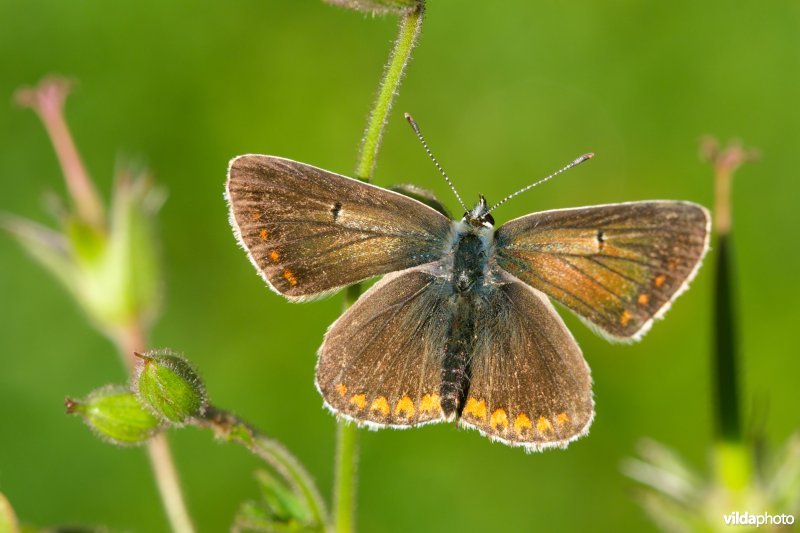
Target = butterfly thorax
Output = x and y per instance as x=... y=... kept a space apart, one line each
x=469 y=262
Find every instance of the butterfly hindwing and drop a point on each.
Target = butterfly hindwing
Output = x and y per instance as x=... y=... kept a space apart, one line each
x=381 y=361
x=529 y=384
x=309 y=231
x=617 y=266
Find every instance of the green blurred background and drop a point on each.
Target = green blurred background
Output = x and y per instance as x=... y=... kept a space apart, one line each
x=506 y=92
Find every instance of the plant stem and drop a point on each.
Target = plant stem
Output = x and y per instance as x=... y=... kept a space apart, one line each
x=344 y=489
x=410 y=26
x=733 y=459
x=169 y=487
x=344 y=493
x=726 y=345
x=47 y=100
x=168 y=484
x=726 y=160
x=228 y=426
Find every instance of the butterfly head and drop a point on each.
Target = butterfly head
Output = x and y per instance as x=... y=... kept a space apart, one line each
x=479 y=216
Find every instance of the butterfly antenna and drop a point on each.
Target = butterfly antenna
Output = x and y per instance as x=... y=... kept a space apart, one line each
x=574 y=163
x=414 y=126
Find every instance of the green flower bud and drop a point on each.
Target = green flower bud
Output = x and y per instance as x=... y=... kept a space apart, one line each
x=379 y=6
x=106 y=258
x=169 y=386
x=116 y=415
x=118 y=278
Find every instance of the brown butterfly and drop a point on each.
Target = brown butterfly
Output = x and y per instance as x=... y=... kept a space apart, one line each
x=461 y=326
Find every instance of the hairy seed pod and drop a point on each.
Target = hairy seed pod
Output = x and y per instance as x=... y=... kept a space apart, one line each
x=169 y=386
x=115 y=414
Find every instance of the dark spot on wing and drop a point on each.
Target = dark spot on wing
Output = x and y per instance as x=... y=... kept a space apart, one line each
x=335 y=210
x=600 y=239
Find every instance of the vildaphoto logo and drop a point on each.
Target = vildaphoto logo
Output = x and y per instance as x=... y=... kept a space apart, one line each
x=749 y=519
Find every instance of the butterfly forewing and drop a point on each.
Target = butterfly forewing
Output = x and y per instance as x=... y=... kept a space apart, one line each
x=309 y=231
x=617 y=266
x=381 y=361
x=529 y=384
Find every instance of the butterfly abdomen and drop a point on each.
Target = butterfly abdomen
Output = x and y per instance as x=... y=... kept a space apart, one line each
x=457 y=351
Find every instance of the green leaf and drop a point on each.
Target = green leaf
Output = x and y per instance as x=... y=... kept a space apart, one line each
x=279 y=510
x=48 y=247
x=283 y=503
x=251 y=517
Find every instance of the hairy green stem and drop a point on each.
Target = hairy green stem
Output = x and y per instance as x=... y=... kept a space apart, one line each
x=169 y=487
x=344 y=493
x=410 y=26
x=346 y=470
x=169 y=484
x=229 y=427
x=344 y=490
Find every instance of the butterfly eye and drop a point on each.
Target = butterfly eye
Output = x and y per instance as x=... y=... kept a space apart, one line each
x=488 y=218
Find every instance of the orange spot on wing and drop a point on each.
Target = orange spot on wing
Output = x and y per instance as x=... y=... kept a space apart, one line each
x=562 y=419
x=430 y=403
x=263 y=234
x=522 y=423
x=289 y=276
x=380 y=404
x=341 y=388
x=405 y=405
x=660 y=280
x=359 y=400
x=543 y=425
x=644 y=299
x=625 y=317
x=475 y=408
x=274 y=256
x=499 y=418
x=255 y=215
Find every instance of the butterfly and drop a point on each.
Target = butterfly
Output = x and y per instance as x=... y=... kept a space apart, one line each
x=461 y=326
